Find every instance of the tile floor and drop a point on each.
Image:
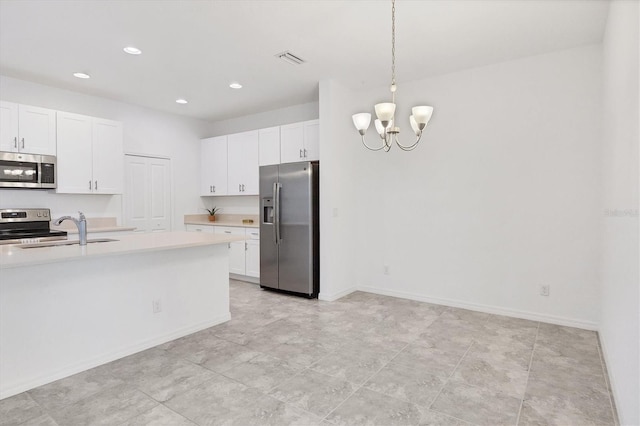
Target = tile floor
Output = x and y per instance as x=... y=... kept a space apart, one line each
x=363 y=360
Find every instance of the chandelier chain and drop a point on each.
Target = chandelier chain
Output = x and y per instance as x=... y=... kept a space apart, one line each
x=393 y=42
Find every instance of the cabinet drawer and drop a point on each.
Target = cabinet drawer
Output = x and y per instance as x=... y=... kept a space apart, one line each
x=229 y=230
x=252 y=233
x=199 y=228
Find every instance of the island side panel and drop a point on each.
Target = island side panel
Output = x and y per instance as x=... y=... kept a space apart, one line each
x=62 y=318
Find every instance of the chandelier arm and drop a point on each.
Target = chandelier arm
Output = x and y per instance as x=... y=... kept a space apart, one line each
x=410 y=147
x=368 y=147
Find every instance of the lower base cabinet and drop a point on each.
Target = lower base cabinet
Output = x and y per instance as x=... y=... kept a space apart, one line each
x=244 y=256
x=252 y=261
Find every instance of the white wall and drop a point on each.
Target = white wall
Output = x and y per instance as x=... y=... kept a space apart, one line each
x=276 y=117
x=620 y=330
x=339 y=211
x=503 y=194
x=145 y=132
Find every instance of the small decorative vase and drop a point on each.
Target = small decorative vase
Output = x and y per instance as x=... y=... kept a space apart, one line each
x=212 y=218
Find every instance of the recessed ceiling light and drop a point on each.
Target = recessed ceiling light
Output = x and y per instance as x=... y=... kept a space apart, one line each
x=132 y=50
x=181 y=101
x=235 y=86
x=81 y=75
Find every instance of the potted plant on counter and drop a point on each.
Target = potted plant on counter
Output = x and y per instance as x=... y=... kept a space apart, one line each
x=212 y=213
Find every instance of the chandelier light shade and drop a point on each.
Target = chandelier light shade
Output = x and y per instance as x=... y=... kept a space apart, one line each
x=385 y=112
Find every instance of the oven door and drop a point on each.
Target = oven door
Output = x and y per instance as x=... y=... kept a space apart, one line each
x=19 y=170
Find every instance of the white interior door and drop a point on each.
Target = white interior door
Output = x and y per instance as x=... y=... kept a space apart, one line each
x=159 y=170
x=147 y=193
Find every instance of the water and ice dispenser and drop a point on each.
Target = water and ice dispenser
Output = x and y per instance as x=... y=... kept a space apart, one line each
x=268 y=215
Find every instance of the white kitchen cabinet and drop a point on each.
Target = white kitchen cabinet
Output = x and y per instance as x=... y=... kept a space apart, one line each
x=252 y=248
x=9 y=126
x=236 y=249
x=213 y=166
x=269 y=146
x=299 y=142
x=108 y=157
x=27 y=129
x=90 y=155
x=244 y=256
x=312 y=140
x=243 y=163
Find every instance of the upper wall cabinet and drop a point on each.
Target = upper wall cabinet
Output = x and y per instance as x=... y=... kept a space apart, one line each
x=27 y=129
x=90 y=155
x=242 y=163
x=269 y=146
x=299 y=142
x=230 y=165
x=213 y=166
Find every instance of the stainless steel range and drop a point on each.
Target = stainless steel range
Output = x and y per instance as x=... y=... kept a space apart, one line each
x=21 y=226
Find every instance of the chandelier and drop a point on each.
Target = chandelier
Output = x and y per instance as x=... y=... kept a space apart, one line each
x=385 y=124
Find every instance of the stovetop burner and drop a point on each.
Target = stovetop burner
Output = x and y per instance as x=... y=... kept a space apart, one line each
x=27 y=226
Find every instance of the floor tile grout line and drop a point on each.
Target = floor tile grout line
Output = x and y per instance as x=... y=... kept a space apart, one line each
x=526 y=384
x=363 y=383
x=180 y=414
x=614 y=412
x=406 y=400
x=451 y=375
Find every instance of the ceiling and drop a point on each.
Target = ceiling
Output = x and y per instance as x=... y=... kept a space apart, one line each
x=193 y=49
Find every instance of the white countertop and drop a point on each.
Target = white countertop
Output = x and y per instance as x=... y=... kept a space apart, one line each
x=12 y=256
x=222 y=220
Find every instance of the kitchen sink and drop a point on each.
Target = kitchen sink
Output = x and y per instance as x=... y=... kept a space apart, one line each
x=65 y=243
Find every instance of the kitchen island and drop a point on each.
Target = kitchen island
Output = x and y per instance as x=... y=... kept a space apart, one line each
x=66 y=309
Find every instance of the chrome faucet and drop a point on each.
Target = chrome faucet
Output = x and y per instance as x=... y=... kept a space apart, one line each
x=81 y=223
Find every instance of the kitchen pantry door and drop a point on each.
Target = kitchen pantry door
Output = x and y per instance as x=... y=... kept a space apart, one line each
x=147 y=193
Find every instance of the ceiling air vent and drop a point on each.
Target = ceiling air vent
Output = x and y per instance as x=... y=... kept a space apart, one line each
x=290 y=58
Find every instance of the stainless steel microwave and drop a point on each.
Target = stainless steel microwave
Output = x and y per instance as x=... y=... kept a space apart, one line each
x=27 y=170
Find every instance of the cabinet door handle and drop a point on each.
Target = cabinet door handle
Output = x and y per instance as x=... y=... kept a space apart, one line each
x=214 y=188
x=239 y=188
x=23 y=142
x=96 y=185
x=243 y=187
x=227 y=232
x=245 y=246
x=90 y=187
x=305 y=153
x=15 y=142
x=300 y=155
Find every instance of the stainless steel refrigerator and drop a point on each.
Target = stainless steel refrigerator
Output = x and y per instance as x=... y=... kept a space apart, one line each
x=289 y=228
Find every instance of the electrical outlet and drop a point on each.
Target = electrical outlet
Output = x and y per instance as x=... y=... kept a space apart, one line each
x=544 y=290
x=157 y=306
x=387 y=270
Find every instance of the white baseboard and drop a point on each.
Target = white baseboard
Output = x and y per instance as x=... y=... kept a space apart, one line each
x=33 y=382
x=611 y=378
x=335 y=296
x=533 y=316
x=245 y=278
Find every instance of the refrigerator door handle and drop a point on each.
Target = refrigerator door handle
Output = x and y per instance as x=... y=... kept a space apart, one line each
x=276 y=201
x=275 y=211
